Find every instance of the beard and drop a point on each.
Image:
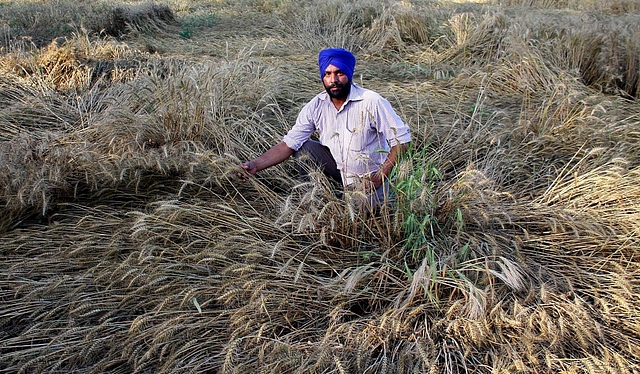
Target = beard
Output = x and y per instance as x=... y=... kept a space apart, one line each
x=338 y=90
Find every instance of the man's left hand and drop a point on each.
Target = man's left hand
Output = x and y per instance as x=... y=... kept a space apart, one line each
x=376 y=181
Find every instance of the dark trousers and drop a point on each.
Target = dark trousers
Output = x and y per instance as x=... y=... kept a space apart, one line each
x=314 y=155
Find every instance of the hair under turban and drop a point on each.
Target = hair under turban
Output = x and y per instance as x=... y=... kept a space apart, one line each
x=338 y=57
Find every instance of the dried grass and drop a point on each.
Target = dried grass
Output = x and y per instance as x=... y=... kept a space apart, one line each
x=128 y=244
x=37 y=24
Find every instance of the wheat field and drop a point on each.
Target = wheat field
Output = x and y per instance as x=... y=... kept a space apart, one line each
x=128 y=244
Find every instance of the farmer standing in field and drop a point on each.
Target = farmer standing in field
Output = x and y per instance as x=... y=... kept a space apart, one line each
x=360 y=135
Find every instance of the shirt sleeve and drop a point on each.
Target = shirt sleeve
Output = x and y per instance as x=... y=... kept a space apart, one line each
x=390 y=124
x=303 y=128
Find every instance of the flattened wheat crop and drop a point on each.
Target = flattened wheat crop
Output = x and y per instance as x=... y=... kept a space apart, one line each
x=129 y=245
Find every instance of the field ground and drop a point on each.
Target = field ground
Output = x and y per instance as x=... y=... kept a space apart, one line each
x=128 y=245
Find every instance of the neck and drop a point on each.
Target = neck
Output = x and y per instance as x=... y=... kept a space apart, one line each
x=338 y=102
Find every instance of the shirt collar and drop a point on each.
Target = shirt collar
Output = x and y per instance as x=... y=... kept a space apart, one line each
x=355 y=94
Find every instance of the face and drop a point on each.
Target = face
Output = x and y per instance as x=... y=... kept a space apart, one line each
x=336 y=83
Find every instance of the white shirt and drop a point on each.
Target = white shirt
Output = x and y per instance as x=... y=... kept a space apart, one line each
x=359 y=135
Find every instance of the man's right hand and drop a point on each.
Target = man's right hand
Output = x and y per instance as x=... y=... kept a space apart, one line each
x=272 y=156
x=250 y=169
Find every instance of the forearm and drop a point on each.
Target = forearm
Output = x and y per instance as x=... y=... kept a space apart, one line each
x=390 y=162
x=275 y=155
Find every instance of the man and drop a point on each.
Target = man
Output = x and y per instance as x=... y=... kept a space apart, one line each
x=360 y=135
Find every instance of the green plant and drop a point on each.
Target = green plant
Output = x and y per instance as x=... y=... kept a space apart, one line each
x=204 y=20
x=196 y=21
x=415 y=183
x=186 y=33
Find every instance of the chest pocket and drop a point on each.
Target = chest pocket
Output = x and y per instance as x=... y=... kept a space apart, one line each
x=362 y=132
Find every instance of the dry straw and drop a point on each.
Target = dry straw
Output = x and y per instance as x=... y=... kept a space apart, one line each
x=130 y=245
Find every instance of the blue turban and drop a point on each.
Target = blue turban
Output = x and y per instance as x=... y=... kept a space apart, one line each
x=338 y=57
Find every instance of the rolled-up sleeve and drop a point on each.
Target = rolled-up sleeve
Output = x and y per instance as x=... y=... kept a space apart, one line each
x=390 y=124
x=303 y=128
